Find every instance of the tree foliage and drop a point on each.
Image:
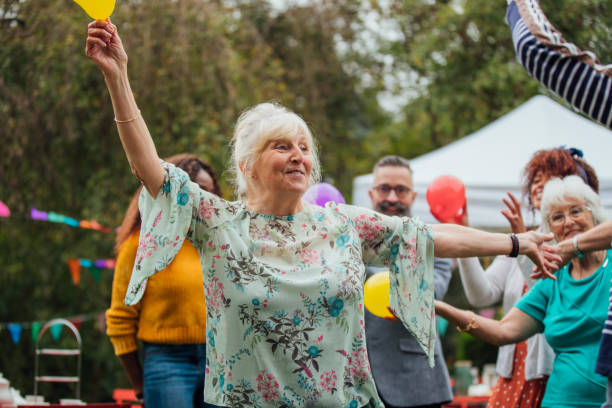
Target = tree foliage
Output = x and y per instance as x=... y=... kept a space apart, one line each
x=461 y=52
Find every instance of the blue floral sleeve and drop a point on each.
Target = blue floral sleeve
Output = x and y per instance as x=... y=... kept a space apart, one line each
x=406 y=247
x=181 y=209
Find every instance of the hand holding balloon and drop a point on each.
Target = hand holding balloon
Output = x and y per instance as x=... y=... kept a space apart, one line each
x=104 y=47
x=446 y=199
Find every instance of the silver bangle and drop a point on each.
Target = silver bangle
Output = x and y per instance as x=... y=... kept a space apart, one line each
x=577 y=251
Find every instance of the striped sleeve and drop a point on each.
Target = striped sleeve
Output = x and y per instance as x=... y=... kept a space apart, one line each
x=576 y=76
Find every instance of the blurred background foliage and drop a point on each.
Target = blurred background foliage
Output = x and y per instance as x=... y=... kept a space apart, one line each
x=194 y=66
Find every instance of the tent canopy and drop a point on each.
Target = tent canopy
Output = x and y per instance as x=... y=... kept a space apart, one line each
x=490 y=160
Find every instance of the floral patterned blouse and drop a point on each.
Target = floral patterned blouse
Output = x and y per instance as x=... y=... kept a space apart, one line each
x=284 y=294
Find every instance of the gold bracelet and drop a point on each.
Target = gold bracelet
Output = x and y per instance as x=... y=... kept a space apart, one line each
x=129 y=120
x=472 y=324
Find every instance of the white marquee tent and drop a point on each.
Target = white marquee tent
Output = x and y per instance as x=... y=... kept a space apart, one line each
x=490 y=160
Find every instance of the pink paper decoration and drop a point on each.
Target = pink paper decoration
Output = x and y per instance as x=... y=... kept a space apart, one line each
x=4 y=211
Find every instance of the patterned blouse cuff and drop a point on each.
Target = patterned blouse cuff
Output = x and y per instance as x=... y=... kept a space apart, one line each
x=165 y=223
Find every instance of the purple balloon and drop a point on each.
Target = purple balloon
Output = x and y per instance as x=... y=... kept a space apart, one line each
x=322 y=193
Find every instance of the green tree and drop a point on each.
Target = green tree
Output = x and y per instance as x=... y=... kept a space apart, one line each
x=462 y=56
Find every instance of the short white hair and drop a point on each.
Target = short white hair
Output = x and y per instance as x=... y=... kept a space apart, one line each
x=255 y=128
x=557 y=191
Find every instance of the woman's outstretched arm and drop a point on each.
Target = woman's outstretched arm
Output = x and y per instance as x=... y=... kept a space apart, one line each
x=105 y=48
x=456 y=241
x=516 y=326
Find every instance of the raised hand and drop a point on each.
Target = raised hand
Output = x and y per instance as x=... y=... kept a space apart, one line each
x=104 y=47
x=513 y=214
x=543 y=256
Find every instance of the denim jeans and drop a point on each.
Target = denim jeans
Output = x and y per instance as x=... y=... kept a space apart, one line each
x=174 y=375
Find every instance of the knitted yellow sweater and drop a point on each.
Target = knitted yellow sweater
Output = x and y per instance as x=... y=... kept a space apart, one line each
x=172 y=310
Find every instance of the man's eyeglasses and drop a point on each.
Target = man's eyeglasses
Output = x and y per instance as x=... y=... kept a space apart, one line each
x=557 y=219
x=385 y=189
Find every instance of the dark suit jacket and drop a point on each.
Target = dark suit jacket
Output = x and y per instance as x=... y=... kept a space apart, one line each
x=399 y=365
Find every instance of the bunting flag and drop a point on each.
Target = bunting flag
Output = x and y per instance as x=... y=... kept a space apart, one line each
x=63 y=219
x=35 y=330
x=56 y=331
x=75 y=270
x=75 y=265
x=95 y=272
x=76 y=321
x=15 y=329
x=4 y=210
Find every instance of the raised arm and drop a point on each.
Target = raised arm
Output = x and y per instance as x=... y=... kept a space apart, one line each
x=595 y=239
x=104 y=47
x=516 y=326
x=574 y=75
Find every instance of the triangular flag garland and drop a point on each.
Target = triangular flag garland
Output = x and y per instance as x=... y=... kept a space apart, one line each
x=94 y=267
x=52 y=216
x=60 y=218
x=15 y=329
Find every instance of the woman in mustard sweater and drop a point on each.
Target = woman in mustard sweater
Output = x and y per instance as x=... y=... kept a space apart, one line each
x=170 y=319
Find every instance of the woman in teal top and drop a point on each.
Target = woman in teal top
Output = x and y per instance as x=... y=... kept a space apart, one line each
x=571 y=310
x=572 y=313
x=283 y=279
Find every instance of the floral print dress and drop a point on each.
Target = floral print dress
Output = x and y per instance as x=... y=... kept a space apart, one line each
x=284 y=294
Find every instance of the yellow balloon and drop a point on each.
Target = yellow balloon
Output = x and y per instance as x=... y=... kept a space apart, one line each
x=376 y=294
x=97 y=9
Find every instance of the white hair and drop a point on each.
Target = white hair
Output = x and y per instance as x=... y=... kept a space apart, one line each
x=557 y=191
x=255 y=128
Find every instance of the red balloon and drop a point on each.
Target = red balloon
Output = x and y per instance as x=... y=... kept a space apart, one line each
x=446 y=199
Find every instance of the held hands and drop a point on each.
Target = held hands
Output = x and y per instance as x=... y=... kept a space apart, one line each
x=513 y=214
x=559 y=254
x=104 y=47
x=545 y=257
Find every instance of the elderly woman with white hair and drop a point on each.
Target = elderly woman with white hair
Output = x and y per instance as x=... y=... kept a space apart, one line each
x=283 y=279
x=571 y=310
